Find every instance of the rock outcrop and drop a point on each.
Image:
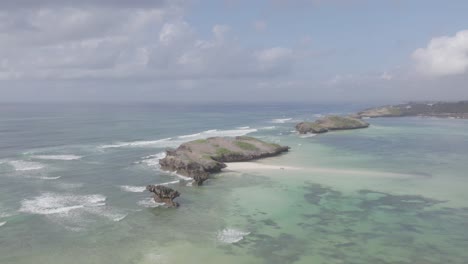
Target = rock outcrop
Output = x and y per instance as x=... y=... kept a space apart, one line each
x=163 y=194
x=435 y=109
x=199 y=158
x=330 y=123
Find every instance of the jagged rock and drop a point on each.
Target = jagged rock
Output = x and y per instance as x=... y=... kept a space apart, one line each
x=330 y=123
x=163 y=194
x=199 y=158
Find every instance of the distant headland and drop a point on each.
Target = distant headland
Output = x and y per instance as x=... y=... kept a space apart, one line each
x=431 y=109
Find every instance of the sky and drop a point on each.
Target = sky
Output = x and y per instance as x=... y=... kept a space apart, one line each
x=233 y=50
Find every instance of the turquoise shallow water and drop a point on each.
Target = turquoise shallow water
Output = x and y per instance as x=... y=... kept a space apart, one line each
x=71 y=179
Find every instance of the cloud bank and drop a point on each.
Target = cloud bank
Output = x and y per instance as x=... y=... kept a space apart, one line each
x=443 y=56
x=123 y=41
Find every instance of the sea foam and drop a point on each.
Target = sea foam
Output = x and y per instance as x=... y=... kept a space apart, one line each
x=149 y=203
x=176 y=141
x=2 y=223
x=134 y=189
x=73 y=212
x=57 y=157
x=49 y=178
x=53 y=203
x=21 y=165
x=308 y=135
x=153 y=160
x=281 y=120
x=169 y=183
x=231 y=236
x=144 y=143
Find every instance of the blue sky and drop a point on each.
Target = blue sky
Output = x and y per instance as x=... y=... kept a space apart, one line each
x=278 y=50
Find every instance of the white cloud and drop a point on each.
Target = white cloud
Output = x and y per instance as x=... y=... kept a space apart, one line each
x=443 y=56
x=154 y=43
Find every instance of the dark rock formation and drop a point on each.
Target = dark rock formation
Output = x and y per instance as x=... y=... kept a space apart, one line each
x=435 y=109
x=163 y=194
x=330 y=123
x=198 y=159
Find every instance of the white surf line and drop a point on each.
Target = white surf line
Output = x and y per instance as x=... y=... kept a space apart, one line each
x=57 y=157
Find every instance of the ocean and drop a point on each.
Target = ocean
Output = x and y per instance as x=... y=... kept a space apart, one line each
x=73 y=177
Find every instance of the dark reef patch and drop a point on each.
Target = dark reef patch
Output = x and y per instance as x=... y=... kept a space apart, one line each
x=284 y=248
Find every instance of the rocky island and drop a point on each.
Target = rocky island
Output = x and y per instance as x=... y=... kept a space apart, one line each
x=199 y=158
x=434 y=109
x=330 y=123
x=163 y=194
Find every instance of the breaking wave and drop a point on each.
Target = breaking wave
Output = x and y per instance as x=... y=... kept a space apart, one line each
x=147 y=143
x=53 y=203
x=2 y=223
x=73 y=212
x=57 y=157
x=231 y=236
x=134 y=189
x=176 y=141
x=169 y=183
x=153 y=160
x=49 y=178
x=308 y=135
x=21 y=165
x=281 y=120
x=149 y=203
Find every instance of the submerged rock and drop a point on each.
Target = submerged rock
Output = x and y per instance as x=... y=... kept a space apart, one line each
x=331 y=123
x=163 y=194
x=199 y=158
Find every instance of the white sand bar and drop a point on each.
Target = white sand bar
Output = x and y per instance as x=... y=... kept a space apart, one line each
x=255 y=166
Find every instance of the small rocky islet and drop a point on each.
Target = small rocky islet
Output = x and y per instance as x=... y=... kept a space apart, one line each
x=163 y=194
x=330 y=123
x=199 y=158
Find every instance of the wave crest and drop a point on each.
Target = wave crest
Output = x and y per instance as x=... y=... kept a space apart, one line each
x=57 y=157
x=176 y=141
x=134 y=189
x=21 y=165
x=52 y=203
x=281 y=120
x=231 y=236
